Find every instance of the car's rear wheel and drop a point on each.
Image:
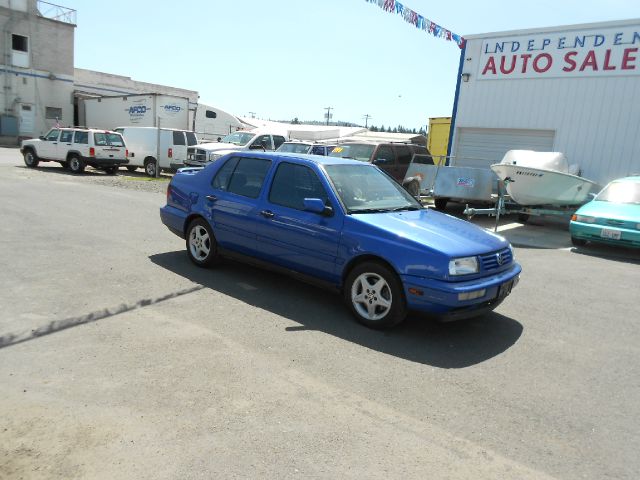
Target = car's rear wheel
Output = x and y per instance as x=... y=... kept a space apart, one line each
x=131 y=168
x=31 y=159
x=374 y=295
x=150 y=166
x=202 y=247
x=111 y=170
x=76 y=165
x=441 y=203
x=578 y=242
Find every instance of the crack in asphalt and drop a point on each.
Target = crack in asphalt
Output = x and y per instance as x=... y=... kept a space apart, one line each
x=54 y=326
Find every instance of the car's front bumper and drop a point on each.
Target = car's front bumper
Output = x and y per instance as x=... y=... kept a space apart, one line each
x=593 y=232
x=443 y=298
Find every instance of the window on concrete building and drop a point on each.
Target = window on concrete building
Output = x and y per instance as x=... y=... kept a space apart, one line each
x=19 y=43
x=211 y=114
x=19 y=50
x=53 y=113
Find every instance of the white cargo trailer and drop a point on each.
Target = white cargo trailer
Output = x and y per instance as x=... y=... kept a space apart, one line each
x=144 y=110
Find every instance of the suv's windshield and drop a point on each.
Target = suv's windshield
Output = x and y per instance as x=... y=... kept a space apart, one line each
x=238 y=138
x=294 y=147
x=620 y=192
x=111 y=139
x=356 y=151
x=366 y=189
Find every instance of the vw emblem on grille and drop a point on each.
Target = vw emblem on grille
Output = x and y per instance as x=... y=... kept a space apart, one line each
x=499 y=258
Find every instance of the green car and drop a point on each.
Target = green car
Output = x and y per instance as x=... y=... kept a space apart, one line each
x=612 y=217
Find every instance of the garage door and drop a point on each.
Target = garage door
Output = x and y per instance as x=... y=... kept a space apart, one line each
x=480 y=147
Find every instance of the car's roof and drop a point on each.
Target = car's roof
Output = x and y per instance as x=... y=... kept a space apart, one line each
x=317 y=159
x=631 y=178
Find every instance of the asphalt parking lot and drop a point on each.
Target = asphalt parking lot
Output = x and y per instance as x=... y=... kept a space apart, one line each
x=119 y=359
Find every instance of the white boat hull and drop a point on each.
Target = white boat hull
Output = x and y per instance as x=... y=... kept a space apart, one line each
x=535 y=186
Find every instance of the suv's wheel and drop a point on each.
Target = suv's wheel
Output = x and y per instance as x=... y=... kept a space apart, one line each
x=202 y=247
x=150 y=165
x=76 y=165
x=131 y=168
x=374 y=295
x=111 y=170
x=31 y=159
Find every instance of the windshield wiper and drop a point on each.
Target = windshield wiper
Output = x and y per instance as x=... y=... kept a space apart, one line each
x=406 y=207
x=369 y=210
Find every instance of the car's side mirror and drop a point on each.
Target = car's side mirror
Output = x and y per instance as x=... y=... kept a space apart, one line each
x=41 y=137
x=316 y=205
x=381 y=161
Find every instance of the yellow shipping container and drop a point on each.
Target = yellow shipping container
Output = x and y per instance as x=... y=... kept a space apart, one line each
x=438 y=138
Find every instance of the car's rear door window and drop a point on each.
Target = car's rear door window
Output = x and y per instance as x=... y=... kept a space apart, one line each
x=242 y=176
x=404 y=154
x=384 y=155
x=278 y=140
x=293 y=183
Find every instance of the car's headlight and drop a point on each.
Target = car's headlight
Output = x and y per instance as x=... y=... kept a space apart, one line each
x=463 y=266
x=585 y=219
x=214 y=156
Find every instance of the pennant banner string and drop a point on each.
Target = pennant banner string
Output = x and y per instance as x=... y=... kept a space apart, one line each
x=418 y=21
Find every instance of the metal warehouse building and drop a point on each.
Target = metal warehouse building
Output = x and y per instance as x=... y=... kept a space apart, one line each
x=573 y=89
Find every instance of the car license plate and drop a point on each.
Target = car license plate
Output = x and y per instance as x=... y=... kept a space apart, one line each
x=505 y=289
x=612 y=234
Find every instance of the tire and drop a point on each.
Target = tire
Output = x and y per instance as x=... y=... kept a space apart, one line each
x=578 y=242
x=111 y=170
x=31 y=159
x=374 y=295
x=150 y=167
x=76 y=165
x=413 y=188
x=441 y=203
x=131 y=168
x=202 y=247
x=523 y=217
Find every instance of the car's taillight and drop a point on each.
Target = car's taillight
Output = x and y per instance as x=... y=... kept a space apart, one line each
x=126 y=153
x=168 y=193
x=92 y=152
x=170 y=153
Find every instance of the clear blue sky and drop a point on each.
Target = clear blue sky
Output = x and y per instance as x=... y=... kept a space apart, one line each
x=293 y=58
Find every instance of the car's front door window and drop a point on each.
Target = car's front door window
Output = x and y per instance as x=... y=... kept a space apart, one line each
x=293 y=183
x=52 y=136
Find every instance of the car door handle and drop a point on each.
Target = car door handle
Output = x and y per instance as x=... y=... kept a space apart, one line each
x=212 y=198
x=267 y=214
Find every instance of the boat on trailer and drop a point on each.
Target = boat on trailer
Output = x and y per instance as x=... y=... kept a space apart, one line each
x=542 y=178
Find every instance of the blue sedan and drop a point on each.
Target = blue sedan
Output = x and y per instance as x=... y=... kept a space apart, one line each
x=344 y=224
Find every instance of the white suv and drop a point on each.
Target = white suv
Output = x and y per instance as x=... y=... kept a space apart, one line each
x=75 y=148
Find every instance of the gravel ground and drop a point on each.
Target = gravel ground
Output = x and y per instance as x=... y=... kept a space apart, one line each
x=137 y=180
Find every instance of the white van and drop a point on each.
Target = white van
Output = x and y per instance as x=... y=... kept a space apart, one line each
x=142 y=143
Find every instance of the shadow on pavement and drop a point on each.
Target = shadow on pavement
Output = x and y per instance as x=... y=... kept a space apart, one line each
x=418 y=339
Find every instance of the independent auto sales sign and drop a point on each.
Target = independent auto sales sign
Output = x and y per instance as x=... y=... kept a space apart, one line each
x=579 y=53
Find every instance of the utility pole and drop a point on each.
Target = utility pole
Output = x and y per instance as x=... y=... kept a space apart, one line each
x=253 y=114
x=328 y=114
x=366 y=120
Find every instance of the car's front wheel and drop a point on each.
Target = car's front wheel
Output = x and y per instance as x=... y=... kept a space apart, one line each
x=31 y=159
x=374 y=295
x=76 y=165
x=202 y=247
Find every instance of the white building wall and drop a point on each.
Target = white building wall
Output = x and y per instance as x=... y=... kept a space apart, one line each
x=595 y=114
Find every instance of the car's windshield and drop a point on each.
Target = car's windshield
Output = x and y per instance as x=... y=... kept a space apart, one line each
x=620 y=192
x=294 y=147
x=366 y=189
x=356 y=151
x=239 y=138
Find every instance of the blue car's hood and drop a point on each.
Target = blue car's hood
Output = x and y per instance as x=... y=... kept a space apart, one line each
x=441 y=232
